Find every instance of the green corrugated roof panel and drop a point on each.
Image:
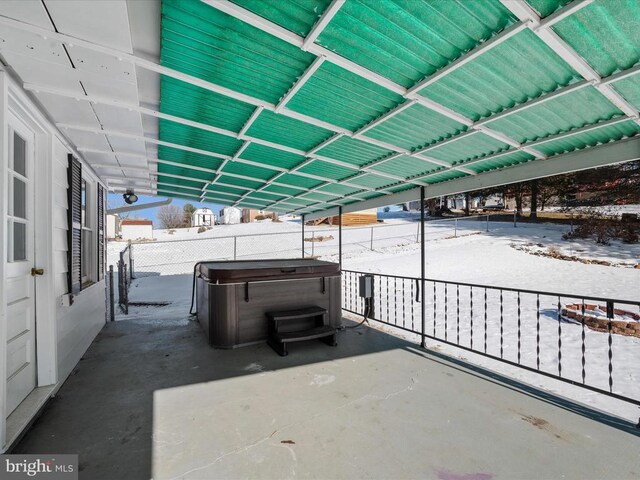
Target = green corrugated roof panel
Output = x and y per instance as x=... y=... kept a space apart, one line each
x=401 y=188
x=299 y=201
x=222 y=196
x=546 y=7
x=573 y=110
x=339 y=189
x=353 y=151
x=444 y=176
x=287 y=131
x=629 y=88
x=241 y=182
x=370 y=180
x=281 y=190
x=198 y=138
x=184 y=183
x=195 y=103
x=170 y=184
x=605 y=34
x=188 y=158
x=513 y=72
x=261 y=197
x=298 y=181
x=406 y=40
x=216 y=187
x=297 y=16
x=405 y=166
x=250 y=61
x=318 y=197
x=325 y=169
x=271 y=156
x=185 y=172
x=467 y=148
x=267 y=195
x=249 y=170
x=591 y=138
x=415 y=127
x=170 y=193
x=502 y=161
x=342 y=98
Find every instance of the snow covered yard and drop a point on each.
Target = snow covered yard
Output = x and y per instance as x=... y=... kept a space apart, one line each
x=473 y=256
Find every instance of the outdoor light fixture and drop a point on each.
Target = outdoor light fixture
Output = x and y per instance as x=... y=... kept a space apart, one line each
x=130 y=197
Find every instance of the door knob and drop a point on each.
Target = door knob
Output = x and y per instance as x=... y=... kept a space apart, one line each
x=36 y=272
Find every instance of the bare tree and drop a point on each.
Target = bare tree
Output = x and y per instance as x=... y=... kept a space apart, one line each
x=171 y=216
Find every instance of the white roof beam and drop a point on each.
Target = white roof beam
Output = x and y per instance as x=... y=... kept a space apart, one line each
x=321 y=145
x=391 y=113
x=563 y=13
x=119 y=167
x=544 y=31
x=484 y=47
x=256 y=113
x=315 y=65
x=536 y=101
x=571 y=133
x=322 y=23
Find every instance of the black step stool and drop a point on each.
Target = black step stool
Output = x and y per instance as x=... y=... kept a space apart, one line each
x=282 y=328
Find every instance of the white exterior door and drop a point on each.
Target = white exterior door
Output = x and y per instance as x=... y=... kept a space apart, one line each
x=21 y=322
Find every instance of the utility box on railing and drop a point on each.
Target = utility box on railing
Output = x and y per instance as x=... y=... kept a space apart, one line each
x=365 y=286
x=366 y=291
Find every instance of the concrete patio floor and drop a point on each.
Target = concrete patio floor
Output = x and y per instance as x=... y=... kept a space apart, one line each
x=151 y=399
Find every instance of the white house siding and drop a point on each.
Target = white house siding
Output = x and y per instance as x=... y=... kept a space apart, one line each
x=78 y=324
x=64 y=331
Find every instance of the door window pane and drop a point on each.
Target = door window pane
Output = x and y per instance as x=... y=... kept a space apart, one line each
x=19 y=198
x=83 y=200
x=19 y=155
x=19 y=241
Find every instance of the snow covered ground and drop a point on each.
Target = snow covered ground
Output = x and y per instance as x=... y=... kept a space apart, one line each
x=606 y=209
x=462 y=253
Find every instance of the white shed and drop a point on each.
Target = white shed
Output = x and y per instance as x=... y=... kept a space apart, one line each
x=136 y=229
x=113 y=226
x=230 y=215
x=203 y=217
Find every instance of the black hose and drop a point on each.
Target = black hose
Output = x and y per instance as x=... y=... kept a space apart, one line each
x=367 y=312
x=193 y=286
x=193 y=289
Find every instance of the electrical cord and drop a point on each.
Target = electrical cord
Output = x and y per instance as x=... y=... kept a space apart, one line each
x=365 y=315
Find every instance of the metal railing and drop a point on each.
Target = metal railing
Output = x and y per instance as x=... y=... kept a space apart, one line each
x=572 y=338
x=125 y=275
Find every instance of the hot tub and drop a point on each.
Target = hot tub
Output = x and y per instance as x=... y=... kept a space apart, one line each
x=233 y=297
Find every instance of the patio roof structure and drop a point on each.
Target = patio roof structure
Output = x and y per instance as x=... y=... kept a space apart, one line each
x=305 y=107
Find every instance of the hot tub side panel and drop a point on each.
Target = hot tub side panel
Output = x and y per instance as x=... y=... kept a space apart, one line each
x=236 y=321
x=223 y=317
x=283 y=295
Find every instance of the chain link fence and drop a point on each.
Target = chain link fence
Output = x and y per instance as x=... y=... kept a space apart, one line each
x=172 y=257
